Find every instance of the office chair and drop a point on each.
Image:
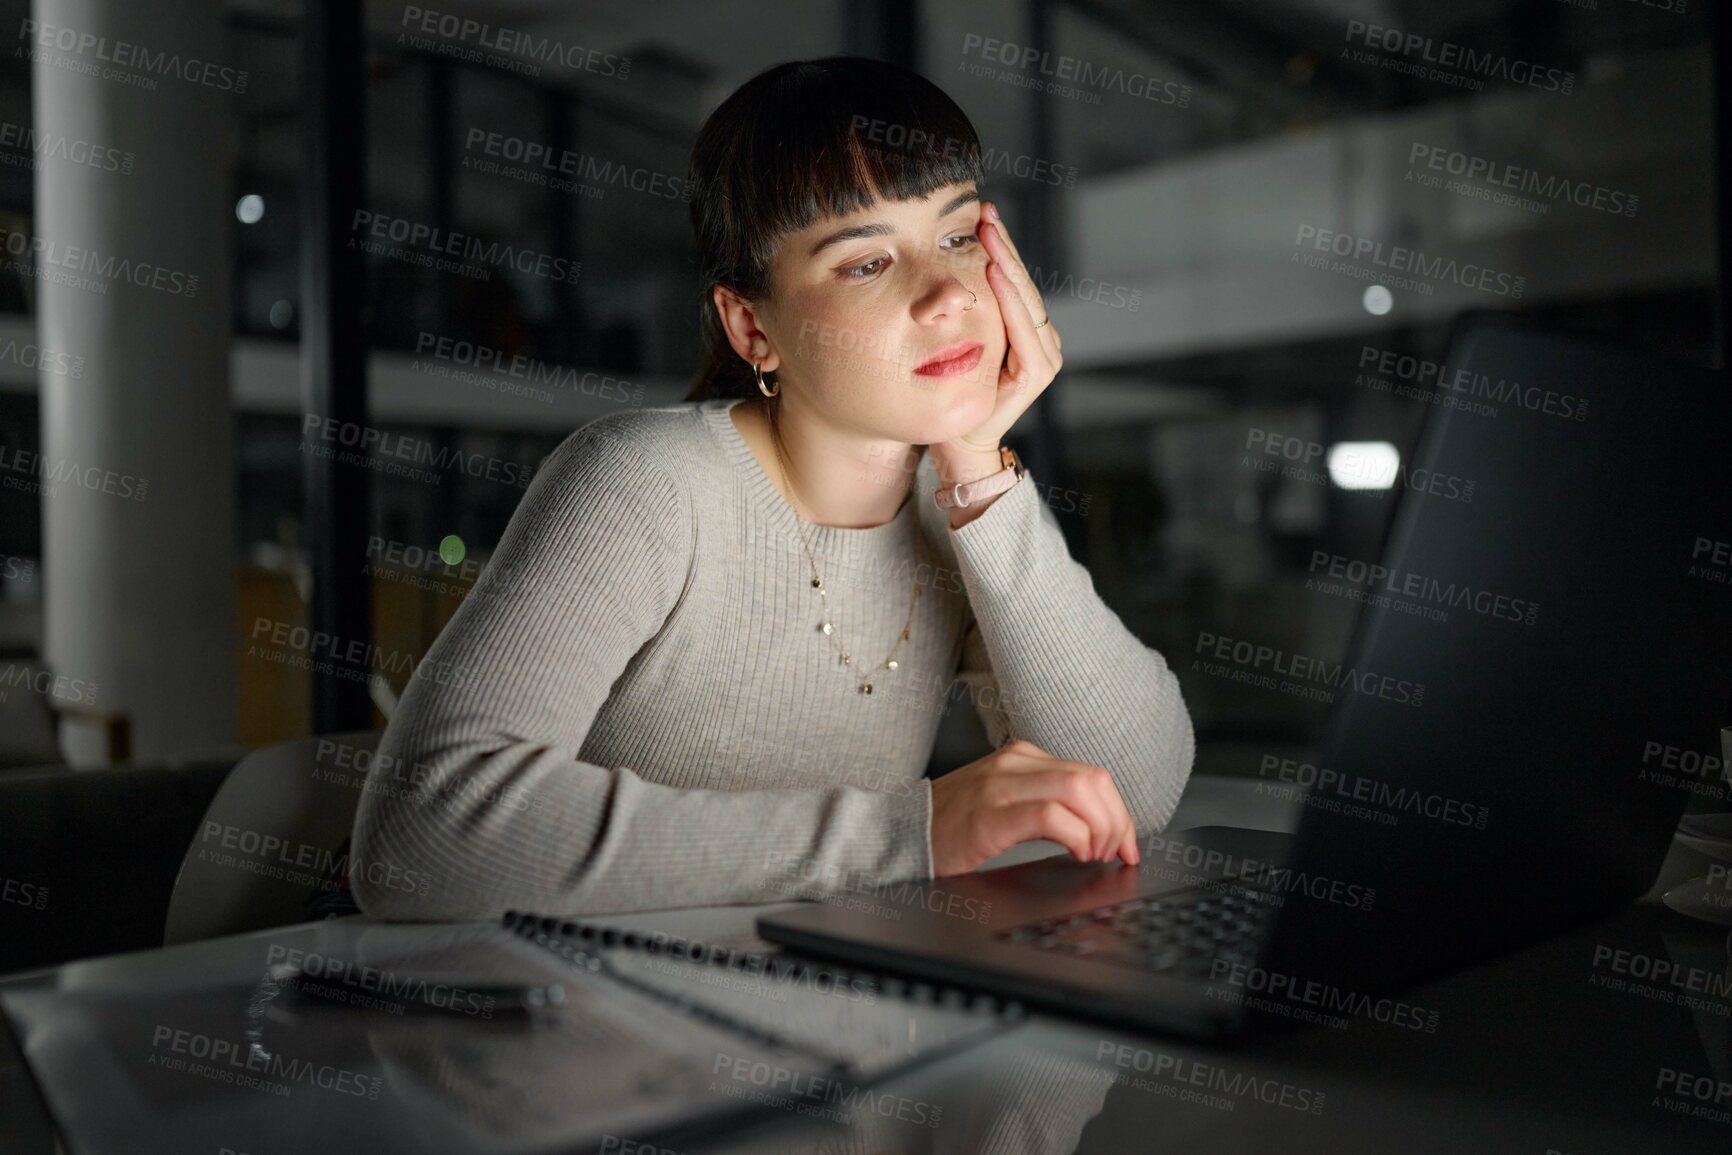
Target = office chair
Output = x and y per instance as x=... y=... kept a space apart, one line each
x=31 y=715
x=270 y=838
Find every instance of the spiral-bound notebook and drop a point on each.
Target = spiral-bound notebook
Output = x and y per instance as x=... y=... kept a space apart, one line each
x=634 y=1036
x=859 y=1022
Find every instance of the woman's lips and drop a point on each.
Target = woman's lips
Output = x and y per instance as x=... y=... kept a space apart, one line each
x=950 y=363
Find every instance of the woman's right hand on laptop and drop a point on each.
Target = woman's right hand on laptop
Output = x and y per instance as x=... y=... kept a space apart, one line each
x=1020 y=793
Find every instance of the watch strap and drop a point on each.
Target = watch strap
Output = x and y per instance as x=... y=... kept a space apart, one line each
x=966 y=493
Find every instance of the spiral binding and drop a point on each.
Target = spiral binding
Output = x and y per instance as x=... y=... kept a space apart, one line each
x=557 y=935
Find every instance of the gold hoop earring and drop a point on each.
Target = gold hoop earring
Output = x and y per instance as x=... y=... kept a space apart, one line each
x=761 y=387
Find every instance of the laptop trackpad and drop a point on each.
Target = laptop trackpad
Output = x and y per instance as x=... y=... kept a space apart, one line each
x=1211 y=853
x=1175 y=860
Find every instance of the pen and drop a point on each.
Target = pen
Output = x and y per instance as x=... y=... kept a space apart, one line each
x=447 y=993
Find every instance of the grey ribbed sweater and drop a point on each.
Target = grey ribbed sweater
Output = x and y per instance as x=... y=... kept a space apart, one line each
x=635 y=707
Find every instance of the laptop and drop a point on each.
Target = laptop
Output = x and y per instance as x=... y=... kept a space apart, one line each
x=1506 y=795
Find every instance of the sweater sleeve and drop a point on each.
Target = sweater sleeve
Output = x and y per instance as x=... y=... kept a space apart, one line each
x=1045 y=660
x=503 y=813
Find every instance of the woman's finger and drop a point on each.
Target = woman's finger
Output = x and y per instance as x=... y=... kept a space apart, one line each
x=1074 y=792
x=1004 y=234
x=1000 y=249
x=1102 y=782
x=1125 y=840
x=1050 y=820
x=1028 y=362
x=1082 y=793
x=1024 y=767
x=999 y=245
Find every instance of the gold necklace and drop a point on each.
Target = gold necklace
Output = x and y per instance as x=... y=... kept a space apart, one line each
x=829 y=626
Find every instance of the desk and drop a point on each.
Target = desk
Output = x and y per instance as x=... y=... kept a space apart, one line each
x=1532 y=1053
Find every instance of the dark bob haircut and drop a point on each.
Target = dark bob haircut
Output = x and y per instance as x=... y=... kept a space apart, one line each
x=797 y=144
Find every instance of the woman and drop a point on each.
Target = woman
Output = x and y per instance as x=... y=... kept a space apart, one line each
x=708 y=660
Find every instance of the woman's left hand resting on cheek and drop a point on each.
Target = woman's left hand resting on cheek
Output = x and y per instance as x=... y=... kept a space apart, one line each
x=1032 y=358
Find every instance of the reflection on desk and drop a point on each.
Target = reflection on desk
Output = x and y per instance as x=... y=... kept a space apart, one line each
x=223 y=1055
x=1610 y=1038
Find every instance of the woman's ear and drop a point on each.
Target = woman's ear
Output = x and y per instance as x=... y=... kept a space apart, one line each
x=740 y=321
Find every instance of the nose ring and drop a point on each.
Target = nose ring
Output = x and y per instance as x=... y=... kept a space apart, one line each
x=972 y=300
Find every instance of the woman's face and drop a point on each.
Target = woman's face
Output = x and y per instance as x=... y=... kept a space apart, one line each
x=862 y=305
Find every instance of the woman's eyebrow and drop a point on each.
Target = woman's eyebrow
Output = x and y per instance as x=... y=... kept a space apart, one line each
x=852 y=233
x=880 y=229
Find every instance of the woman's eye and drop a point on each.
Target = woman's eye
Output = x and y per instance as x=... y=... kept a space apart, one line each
x=862 y=271
x=873 y=267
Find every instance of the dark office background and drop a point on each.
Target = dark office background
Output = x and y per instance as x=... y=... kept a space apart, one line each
x=1166 y=242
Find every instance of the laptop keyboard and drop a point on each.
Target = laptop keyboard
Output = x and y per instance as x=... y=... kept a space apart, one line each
x=1183 y=933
